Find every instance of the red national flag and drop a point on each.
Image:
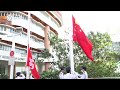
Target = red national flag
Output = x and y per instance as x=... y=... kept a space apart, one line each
x=30 y=62
x=80 y=37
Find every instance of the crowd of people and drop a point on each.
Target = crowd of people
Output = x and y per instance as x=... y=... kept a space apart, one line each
x=65 y=73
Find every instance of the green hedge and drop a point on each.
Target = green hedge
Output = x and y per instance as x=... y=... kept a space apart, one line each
x=50 y=75
x=98 y=69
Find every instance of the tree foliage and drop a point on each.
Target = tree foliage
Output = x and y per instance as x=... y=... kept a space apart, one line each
x=100 y=68
x=101 y=45
x=50 y=75
x=45 y=54
x=61 y=51
x=104 y=64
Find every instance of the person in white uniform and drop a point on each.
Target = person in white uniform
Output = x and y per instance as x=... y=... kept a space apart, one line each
x=84 y=74
x=69 y=75
x=19 y=75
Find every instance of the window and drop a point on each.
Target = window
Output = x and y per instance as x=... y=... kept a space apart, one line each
x=2 y=69
x=16 y=50
x=15 y=32
x=41 y=27
x=22 y=52
x=32 y=38
x=34 y=54
x=25 y=18
x=11 y=30
x=7 y=29
x=5 y=14
x=4 y=28
x=18 y=15
x=2 y=14
x=14 y=14
x=24 y=35
x=1 y=28
x=5 y=47
x=0 y=47
x=8 y=48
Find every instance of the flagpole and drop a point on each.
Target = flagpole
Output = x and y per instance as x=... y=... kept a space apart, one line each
x=28 y=32
x=71 y=52
x=71 y=47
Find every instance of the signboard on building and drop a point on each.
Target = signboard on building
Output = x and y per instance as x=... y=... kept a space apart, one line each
x=11 y=61
x=11 y=53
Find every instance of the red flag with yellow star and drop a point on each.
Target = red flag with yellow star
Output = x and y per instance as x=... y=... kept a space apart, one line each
x=80 y=37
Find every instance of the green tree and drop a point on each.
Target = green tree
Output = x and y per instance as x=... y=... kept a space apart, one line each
x=45 y=54
x=50 y=74
x=101 y=45
x=59 y=46
x=104 y=64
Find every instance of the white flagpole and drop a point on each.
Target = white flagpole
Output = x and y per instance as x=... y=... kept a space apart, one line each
x=71 y=47
x=28 y=32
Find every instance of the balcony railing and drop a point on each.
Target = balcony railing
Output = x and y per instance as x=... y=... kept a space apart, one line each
x=58 y=16
x=21 y=39
x=46 y=19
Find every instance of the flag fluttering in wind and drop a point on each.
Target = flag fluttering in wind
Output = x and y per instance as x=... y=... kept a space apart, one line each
x=83 y=41
x=32 y=65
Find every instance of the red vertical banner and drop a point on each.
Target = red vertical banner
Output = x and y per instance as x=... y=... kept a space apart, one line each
x=32 y=65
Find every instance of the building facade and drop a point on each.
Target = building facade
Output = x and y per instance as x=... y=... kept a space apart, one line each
x=14 y=26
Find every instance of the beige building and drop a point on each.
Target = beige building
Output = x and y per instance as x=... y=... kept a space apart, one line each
x=16 y=23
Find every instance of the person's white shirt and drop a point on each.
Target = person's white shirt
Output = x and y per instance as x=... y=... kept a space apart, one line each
x=84 y=75
x=19 y=77
x=68 y=76
x=61 y=75
x=31 y=77
x=22 y=76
